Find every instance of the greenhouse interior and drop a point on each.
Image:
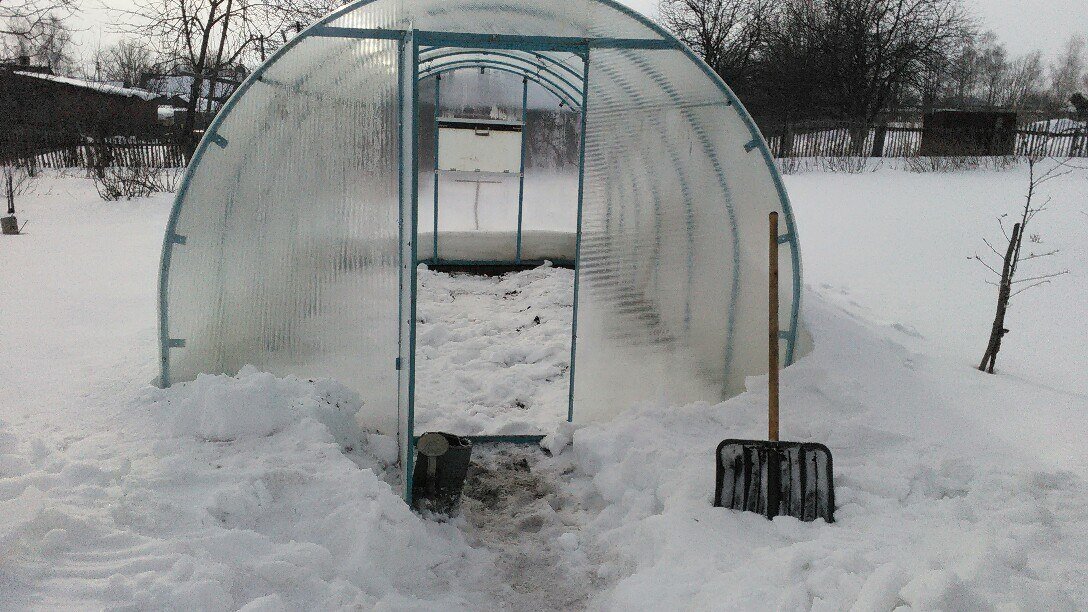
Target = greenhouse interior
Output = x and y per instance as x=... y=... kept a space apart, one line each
x=397 y=136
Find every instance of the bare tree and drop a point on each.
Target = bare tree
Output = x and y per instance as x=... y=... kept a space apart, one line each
x=45 y=41
x=877 y=48
x=727 y=34
x=993 y=71
x=1012 y=255
x=24 y=18
x=1025 y=83
x=210 y=37
x=125 y=62
x=1068 y=72
x=205 y=37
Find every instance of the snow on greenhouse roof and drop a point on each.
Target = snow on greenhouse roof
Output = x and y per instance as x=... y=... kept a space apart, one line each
x=106 y=88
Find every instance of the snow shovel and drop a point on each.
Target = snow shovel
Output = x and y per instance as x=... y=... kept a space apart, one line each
x=771 y=477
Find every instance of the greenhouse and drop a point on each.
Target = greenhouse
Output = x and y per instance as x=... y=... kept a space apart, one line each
x=480 y=136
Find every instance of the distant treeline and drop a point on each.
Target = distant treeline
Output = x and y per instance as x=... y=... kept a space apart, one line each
x=855 y=60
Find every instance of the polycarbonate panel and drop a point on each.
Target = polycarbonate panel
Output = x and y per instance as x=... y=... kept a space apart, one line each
x=672 y=286
x=293 y=224
x=290 y=229
x=577 y=18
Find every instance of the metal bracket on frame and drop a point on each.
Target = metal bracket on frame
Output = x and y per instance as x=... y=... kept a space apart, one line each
x=219 y=140
x=176 y=343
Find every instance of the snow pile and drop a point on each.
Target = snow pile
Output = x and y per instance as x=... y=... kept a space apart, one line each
x=493 y=353
x=225 y=493
x=938 y=508
x=256 y=404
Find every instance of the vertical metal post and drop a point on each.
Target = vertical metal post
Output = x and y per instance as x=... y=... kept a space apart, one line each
x=772 y=330
x=521 y=171
x=408 y=62
x=437 y=110
x=578 y=236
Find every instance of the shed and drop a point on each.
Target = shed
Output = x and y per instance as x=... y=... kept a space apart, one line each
x=968 y=132
x=294 y=240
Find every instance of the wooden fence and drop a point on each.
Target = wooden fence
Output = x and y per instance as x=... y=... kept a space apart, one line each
x=58 y=151
x=785 y=141
x=844 y=140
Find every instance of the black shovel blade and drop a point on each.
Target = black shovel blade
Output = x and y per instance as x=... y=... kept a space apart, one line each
x=776 y=479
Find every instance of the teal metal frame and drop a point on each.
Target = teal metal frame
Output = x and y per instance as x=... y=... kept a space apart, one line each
x=437 y=112
x=409 y=188
x=500 y=66
x=578 y=236
x=545 y=72
x=534 y=45
x=521 y=168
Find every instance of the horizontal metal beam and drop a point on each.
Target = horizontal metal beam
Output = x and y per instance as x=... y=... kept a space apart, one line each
x=556 y=89
x=517 y=42
x=372 y=33
x=506 y=439
x=492 y=263
x=503 y=438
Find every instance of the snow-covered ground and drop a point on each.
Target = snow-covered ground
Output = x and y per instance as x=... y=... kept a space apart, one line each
x=956 y=489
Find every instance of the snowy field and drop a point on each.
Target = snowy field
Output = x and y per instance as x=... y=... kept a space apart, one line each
x=957 y=490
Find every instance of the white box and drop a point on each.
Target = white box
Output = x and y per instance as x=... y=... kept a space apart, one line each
x=478 y=149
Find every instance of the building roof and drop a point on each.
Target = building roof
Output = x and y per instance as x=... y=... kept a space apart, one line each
x=106 y=88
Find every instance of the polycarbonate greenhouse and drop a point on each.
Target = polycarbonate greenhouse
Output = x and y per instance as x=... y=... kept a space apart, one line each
x=294 y=241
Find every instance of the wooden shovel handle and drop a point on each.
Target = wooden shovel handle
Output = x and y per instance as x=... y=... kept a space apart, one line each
x=772 y=331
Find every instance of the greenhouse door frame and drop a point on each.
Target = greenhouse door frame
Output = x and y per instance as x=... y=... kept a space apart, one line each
x=409 y=76
x=408 y=73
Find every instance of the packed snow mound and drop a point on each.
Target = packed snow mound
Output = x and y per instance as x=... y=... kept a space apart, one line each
x=257 y=404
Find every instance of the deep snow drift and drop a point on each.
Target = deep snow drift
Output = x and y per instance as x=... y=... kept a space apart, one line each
x=957 y=490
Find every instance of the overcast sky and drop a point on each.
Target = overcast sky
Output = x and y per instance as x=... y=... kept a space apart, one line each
x=1023 y=25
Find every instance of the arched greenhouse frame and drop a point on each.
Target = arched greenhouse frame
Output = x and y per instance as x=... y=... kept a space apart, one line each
x=294 y=240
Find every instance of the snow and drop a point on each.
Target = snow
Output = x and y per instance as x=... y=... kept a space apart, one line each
x=493 y=353
x=956 y=489
x=128 y=92
x=895 y=247
x=940 y=505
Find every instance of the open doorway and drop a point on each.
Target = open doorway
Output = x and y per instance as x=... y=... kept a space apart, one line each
x=498 y=201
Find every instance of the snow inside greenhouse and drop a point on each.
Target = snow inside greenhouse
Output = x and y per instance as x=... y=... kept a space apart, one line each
x=472 y=135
